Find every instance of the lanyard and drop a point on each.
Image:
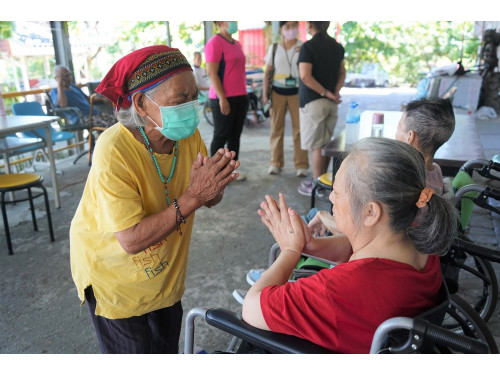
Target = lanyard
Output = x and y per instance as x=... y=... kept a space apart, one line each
x=289 y=60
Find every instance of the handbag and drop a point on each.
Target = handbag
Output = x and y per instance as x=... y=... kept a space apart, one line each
x=270 y=75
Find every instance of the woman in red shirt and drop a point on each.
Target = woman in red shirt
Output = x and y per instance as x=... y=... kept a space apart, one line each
x=387 y=266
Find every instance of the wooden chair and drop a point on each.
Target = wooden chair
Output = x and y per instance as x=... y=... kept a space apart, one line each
x=23 y=181
x=95 y=131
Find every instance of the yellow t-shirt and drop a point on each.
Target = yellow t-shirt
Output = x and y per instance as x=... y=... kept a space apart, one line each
x=122 y=188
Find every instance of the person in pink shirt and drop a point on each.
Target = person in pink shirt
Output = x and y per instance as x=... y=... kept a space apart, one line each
x=225 y=63
x=386 y=265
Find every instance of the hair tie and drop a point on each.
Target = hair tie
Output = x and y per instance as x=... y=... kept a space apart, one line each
x=425 y=196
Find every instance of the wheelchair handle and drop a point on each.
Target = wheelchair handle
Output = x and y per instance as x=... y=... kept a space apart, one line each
x=484 y=166
x=468 y=188
x=454 y=341
x=421 y=330
x=476 y=250
x=475 y=163
x=494 y=193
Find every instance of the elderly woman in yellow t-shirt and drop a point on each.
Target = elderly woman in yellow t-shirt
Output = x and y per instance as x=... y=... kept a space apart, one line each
x=130 y=235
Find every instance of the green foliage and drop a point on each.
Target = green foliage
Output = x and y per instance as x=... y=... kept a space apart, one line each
x=6 y=29
x=408 y=50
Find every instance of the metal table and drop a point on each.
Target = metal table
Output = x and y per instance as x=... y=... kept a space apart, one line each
x=13 y=124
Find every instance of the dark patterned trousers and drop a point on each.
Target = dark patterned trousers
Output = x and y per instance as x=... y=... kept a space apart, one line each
x=154 y=332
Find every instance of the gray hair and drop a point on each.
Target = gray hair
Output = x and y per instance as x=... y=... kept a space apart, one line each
x=57 y=69
x=129 y=116
x=393 y=173
x=432 y=120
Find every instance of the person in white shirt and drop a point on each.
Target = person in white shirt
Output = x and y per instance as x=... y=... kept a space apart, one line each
x=200 y=74
x=284 y=95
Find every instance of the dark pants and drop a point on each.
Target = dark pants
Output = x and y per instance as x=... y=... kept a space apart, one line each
x=227 y=129
x=154 y=332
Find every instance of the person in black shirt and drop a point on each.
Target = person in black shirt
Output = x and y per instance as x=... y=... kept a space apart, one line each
x=322 y=74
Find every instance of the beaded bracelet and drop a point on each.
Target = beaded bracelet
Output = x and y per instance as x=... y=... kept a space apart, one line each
x=178 y=217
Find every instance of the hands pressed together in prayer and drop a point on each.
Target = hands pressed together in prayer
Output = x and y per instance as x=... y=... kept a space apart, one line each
x=210 y=176
x=285 y=224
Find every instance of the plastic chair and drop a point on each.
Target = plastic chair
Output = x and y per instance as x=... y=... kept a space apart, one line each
x=325 y=182
x=23 y=181
x=35 y=109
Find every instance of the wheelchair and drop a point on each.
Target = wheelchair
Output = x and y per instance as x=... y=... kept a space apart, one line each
x=450 y=327
x=467 y=266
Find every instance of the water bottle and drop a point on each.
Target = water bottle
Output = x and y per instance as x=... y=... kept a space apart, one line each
x=352 y=124
x=378 y=125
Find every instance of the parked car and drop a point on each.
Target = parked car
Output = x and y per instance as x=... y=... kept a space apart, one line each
x=372 y=75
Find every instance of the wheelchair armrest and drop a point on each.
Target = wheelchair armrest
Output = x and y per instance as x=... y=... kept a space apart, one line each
x=80 y=125
x=273 y=342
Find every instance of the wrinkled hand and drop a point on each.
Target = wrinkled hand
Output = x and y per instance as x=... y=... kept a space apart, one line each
x=58 y=80
x=285 y=224
x=225 y=108
x=210 y=176
x=322 y=222
x=316 y=226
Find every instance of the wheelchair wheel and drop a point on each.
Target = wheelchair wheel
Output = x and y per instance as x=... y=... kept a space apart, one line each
x=480 y=288
x=463 y=319
x=207 y=112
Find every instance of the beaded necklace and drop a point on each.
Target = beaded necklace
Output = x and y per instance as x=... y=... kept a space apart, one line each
x=174 y=163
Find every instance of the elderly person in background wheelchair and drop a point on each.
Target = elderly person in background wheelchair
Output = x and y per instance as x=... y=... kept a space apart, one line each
x=427 y=124
x=388 y=266
x=129 y=238
x=67 y=94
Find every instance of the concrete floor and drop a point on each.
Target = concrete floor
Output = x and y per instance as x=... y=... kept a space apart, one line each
x=39 y=308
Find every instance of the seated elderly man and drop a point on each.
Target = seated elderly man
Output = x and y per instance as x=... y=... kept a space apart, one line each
x=67 y=94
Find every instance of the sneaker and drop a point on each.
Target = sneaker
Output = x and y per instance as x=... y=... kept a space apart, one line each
x=241 y=177
x=273 y=170
x=307 y=183
x=239 y=295
x=307 y=191
x=301 y=173
x=254 y=275
x=199 y=350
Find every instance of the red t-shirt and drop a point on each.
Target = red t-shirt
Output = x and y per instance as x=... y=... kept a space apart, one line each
x=340 y=308
x=231 y=61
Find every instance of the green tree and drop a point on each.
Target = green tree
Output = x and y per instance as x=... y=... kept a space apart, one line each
x=408 y=50
x=6 y=29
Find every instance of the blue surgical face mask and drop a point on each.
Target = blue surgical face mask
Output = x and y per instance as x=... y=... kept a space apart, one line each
x=232 y=27
x=179 y=121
